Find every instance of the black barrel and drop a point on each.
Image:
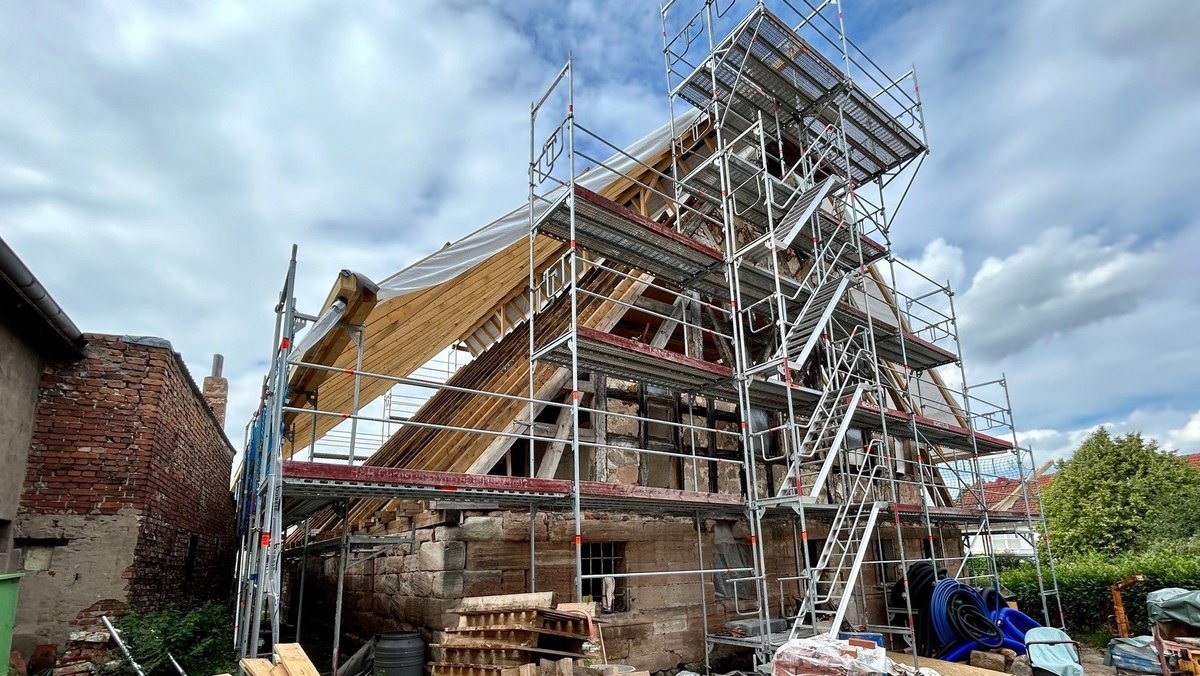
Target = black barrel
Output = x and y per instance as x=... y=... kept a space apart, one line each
x=399 y=653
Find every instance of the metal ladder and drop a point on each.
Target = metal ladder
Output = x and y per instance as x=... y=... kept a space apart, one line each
x=835 y=573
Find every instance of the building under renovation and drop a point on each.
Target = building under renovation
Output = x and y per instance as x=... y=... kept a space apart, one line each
x=688 y=380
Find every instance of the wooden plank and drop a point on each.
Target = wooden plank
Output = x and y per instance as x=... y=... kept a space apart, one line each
x=589 y=609
x=506 y=602
x=554 y=450
x=256 y=666
x=294 y=659
x=279 y=670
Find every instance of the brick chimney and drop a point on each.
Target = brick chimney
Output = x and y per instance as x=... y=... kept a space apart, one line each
x=216 y=389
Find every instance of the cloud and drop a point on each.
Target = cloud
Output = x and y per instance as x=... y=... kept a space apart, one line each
x=1187 y=436
x=157 y=161
x=1060 y=282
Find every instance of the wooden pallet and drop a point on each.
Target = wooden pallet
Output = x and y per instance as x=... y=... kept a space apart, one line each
x=457 y=669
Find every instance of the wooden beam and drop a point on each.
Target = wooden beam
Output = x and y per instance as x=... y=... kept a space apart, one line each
x=600 y=428
x=668 y=326
x=293 y=658
x=554 y=450
x=501 y=444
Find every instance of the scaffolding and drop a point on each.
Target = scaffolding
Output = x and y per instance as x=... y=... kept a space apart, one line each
x=784 y=351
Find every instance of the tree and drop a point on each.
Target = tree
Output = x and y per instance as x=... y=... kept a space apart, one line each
x=1115 y=494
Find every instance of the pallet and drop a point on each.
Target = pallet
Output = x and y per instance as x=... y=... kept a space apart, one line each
x=501 y=655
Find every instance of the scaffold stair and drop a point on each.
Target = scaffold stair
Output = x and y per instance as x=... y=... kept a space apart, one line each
x=834 y=575
x=802 y=211
x=820 y=445
x=797 y=345
x=764 y=67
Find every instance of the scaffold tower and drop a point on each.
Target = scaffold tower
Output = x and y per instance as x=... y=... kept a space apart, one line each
x=795 y=356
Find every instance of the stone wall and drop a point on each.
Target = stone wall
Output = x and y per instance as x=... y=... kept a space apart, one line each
x=483 y=553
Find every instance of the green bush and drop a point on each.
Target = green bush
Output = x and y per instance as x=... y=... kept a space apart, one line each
x=1085 y=587
x=200 y=640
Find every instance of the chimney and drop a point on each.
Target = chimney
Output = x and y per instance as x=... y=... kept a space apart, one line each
x=216 y=389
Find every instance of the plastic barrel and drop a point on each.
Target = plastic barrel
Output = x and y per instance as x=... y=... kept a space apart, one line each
x=399 y=653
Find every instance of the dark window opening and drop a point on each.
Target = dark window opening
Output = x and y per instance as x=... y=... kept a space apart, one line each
x=605 y=558
x=889 y=565
x=815 y=547
x=189 y=563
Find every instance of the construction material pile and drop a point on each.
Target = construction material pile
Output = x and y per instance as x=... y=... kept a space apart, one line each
x=823 y=655
x=290 y=660
x=517 y=634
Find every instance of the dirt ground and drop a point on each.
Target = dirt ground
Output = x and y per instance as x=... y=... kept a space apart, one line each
x=1093 y=662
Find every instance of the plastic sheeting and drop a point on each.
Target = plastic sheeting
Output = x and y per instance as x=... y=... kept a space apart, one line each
x=728 y=554
x=1173 y=603
x=822 y=655
x=510 y=228
x=477 y=247
x=328 y=319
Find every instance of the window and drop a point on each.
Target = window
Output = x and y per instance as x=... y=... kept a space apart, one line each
x=604 y=558
x=37 y=554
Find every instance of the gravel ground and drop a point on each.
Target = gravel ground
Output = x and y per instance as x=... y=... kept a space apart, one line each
x=1093 y=662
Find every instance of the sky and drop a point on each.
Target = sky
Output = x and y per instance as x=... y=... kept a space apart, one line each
x=158 y=160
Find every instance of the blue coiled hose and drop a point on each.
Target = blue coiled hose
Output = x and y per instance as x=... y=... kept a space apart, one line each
x=957 y=613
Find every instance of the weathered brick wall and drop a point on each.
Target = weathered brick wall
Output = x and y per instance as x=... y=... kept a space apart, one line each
x=94 y=436
x=127 y=483
x=185 y=551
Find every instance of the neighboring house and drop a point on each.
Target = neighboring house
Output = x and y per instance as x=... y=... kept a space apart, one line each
x=118 y=468
x=1005 y=493
x=34 y=332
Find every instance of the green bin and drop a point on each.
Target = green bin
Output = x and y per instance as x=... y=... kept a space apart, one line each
x=9 y=584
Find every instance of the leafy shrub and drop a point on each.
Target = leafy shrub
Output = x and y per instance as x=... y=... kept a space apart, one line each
x=200 y=640
x=1085 y=586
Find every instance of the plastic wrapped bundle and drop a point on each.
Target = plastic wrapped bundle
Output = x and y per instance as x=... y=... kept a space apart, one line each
x=825 y=656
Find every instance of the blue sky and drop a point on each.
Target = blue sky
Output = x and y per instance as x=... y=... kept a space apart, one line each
x=158 y=160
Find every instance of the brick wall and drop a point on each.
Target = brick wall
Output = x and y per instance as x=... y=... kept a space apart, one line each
x=127 y=481
x=94 y=436
x=185 y=551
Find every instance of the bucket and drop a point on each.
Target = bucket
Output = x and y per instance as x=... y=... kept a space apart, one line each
x=399 y=653
x=9 y=584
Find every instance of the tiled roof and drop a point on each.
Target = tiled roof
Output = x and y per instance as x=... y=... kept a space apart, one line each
x=998 y=490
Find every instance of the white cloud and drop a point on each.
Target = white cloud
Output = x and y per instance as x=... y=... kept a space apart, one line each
x=1059 y=283
x=1188 y=436
x=157 y=161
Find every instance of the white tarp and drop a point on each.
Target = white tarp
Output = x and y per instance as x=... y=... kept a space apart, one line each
x=459 y=257
x=510 y=228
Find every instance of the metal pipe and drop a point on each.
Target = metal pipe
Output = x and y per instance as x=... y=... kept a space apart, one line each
x=303 y=576
x=15 y=273
x=112 y=631
x=344 y=550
